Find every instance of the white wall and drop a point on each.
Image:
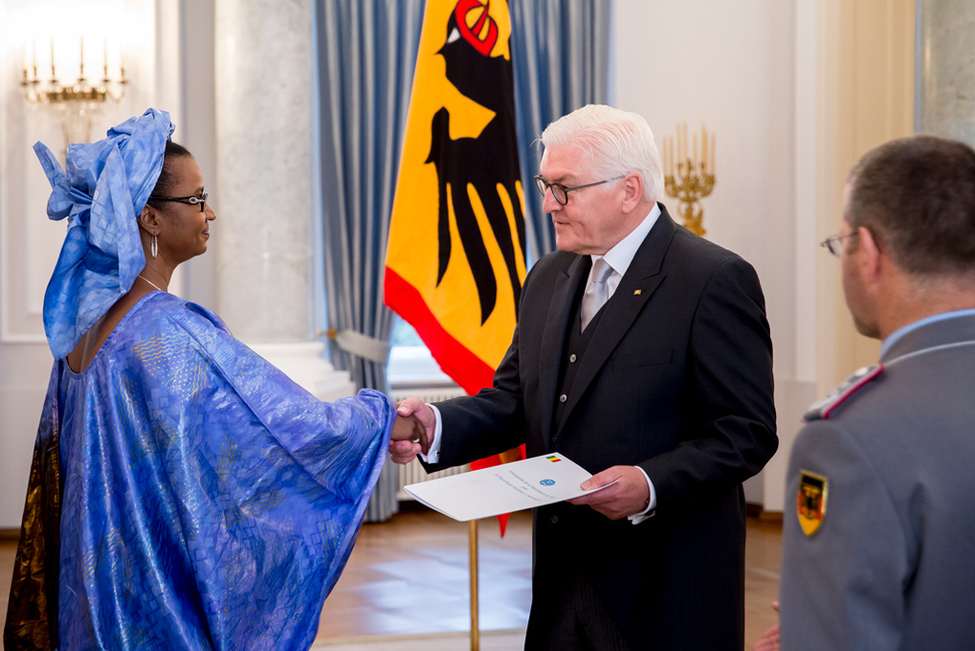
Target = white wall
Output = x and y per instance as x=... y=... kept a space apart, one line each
x=731 y=65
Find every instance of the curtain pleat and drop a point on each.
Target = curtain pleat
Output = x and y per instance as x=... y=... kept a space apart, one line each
x=367 y=51
x=560 y=50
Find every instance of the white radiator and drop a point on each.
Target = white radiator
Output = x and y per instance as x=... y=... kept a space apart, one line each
x=413 y=472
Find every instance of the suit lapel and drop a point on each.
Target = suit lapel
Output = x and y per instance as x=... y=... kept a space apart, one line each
x=553 y=339
x=640 y=281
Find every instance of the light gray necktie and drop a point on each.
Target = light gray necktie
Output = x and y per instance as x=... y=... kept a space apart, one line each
x=597 y=291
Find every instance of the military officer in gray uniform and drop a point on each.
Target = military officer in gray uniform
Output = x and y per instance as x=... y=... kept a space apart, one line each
x=879 y=545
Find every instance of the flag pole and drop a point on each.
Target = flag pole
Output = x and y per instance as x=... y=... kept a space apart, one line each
x=472 y=542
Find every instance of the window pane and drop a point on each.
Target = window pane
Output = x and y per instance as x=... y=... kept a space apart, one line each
x=404 y=334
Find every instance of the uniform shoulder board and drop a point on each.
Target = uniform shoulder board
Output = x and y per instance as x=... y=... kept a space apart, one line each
x=822 y=409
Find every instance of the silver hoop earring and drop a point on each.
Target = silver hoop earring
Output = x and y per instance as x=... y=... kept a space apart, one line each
x=154 y=247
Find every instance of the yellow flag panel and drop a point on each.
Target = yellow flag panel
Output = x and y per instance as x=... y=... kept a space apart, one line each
x=455 y=260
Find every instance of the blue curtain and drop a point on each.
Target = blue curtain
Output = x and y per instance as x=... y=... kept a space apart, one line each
x=560 y=51
x=366 y=54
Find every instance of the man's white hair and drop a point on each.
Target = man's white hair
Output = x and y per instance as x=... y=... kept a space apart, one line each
x=618 y=143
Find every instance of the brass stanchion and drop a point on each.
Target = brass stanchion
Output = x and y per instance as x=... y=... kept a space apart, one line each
x=472 y=541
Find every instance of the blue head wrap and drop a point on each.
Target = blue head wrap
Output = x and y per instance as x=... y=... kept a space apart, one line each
x=104 y=188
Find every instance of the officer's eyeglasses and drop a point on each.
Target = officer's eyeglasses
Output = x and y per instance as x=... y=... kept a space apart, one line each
x=832 y=244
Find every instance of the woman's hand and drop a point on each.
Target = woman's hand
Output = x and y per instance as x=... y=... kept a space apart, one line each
x=769 y=641
x=409 y=428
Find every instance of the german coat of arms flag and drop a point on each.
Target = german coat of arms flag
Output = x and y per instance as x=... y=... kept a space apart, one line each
x=455 y=260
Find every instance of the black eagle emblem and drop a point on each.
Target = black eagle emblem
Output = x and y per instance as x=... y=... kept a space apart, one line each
x=484 y=162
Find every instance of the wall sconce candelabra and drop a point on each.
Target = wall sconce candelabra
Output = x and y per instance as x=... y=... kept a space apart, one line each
x=689 y=179
x=78 y=98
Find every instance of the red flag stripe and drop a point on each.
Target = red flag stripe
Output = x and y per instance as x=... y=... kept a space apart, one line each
x=466 y=368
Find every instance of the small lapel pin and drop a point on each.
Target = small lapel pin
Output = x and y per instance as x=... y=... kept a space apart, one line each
x=637 y=292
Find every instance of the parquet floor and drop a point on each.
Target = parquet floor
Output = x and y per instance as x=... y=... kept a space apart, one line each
x=405 y=587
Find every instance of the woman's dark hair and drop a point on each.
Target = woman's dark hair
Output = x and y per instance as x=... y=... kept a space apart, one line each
x=167 y=177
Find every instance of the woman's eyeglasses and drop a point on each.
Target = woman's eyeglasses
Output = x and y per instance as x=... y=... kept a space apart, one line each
x=193 y=201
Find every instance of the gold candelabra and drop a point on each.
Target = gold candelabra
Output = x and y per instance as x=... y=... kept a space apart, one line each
x=76 y=98
x=689 y=179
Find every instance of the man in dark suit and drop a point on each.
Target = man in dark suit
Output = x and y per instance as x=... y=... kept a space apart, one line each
x=665 y=388
x=878 y=554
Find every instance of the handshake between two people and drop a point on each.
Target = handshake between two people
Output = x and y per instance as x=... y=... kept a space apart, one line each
x=629 y=494
x=412 y=431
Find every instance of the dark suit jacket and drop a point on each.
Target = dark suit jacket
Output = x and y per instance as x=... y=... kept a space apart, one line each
x=678 y=380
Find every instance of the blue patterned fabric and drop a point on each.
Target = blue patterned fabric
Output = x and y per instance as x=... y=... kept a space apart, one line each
x=208 y=502
x=104 y=187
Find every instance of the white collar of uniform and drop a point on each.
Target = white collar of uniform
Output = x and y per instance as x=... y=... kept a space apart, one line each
x=621 y=255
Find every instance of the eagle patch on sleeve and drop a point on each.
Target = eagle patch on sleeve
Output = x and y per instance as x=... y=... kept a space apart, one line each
x=811 y=501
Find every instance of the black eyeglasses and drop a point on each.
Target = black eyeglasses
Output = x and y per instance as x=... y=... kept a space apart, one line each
x=193 y=201
x=560 y=192
x=832 y=244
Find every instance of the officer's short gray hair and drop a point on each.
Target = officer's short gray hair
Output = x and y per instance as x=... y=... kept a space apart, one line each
x=618 y=143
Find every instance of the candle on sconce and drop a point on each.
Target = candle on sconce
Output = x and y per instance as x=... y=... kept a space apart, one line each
x=704 y=148
x=680 y=148
x=712 y=154
x=81 y=59
x=666 y=155
x=686 y=158
x=681 y=144
x=663 y=154
x=105 y=59
x=53 y=70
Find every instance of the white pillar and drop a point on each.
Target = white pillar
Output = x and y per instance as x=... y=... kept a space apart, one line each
x=265 y=161
x=945 y=99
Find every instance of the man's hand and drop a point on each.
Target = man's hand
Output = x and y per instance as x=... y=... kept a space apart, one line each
x=421 y=421
x=409 y=429
x=769 y=641
x=628 y=496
